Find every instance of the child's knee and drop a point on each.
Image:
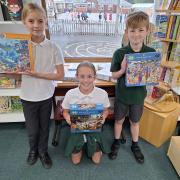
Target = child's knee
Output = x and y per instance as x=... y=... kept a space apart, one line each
x=134 y=124
x=96 y=158
x=76 y=157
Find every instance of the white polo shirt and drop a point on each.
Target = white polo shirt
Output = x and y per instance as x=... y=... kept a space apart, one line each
x=75 y=96
x=46 y=56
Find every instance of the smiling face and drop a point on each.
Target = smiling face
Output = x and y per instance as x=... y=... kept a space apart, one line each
x=86 y=78
x=35 y=22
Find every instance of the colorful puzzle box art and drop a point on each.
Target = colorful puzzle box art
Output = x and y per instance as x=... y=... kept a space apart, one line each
x=143 y=69
x=86 y=117
x=15 y=53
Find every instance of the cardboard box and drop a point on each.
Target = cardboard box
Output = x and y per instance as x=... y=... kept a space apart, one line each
x=174 y=152
x=157 y=127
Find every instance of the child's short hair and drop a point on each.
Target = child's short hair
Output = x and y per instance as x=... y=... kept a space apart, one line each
x=137 y=19
x=86 y=64
x=32 y=7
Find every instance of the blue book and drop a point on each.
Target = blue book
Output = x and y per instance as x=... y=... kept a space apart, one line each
x=143 y=69
x=161 y=24
x=86 y=117
x=15 y=53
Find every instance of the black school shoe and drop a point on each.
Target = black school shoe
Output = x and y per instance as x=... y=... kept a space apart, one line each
x=114 y=150
x=32 y=157
x=137 y=154
x=45 y=160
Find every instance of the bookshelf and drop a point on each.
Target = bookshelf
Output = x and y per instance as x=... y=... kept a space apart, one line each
x=167 y=40
x=169 y=36
x=10 y=116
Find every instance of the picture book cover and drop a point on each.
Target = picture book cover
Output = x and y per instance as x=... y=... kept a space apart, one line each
x=15 y=53
x=11 y=9
x=6 y=82
x=143 y=69
x=5 y=104
x=86 y=117
x=161 y=23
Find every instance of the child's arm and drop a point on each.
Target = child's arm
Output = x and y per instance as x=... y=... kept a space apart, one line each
x=59 y=75
x=105 y=114
x=119 y=73
x=67 y=116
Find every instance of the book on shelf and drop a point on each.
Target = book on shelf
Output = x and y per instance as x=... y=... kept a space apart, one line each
x=105 y=74
x=16 y=104
x=5 y=104
x=175 y=53
x=170 y=24
x=176 y=27
x=161 y=23
x=143 y=69
x=10 y=104
x=6 y=82
x=172 y=27
x=155 y=95
x=162 y=73
x=15 y=53
x=11 y=9
x=86 y=117
x=176 y=5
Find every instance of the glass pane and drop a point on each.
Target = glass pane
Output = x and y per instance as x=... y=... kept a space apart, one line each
x=90 y=28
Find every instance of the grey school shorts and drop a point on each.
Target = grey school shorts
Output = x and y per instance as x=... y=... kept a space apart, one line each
x=134 y=111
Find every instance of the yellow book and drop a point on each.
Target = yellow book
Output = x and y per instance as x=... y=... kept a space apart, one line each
x=169 y=27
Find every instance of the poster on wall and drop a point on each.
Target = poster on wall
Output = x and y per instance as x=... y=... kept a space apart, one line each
x=11 y=9
x=15 y=53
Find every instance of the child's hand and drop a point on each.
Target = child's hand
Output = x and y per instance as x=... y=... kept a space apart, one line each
x=103 y=121
x=68 y=119
x=123 y=65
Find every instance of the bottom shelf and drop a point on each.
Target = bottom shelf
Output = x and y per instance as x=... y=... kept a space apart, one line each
x=12 y=117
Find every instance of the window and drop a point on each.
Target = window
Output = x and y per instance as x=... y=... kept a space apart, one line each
x=88 y=28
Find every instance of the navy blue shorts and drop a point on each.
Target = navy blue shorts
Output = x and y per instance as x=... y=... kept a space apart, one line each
x=134 y=111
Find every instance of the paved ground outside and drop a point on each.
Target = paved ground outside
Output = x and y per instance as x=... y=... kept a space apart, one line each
x=87 y=46
x=79 y=45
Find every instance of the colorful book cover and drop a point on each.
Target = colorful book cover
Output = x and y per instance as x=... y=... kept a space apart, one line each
x=16 y=104
x=5 y=104
x=15 y=53
x=11 y=9
x=161 y=23
x=6 y=82
x=143 y=69
x=86 y=117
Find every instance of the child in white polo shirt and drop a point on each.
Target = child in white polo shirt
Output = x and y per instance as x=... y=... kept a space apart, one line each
x=86 y=93
x=37 y=86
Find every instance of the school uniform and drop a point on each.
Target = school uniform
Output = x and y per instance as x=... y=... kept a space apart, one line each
x=92 y=142
x=36 y=94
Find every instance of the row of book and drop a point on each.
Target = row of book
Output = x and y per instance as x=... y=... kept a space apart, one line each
x=168 y=27
x=169 y=5
x=10 y=104
x=170 y=76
